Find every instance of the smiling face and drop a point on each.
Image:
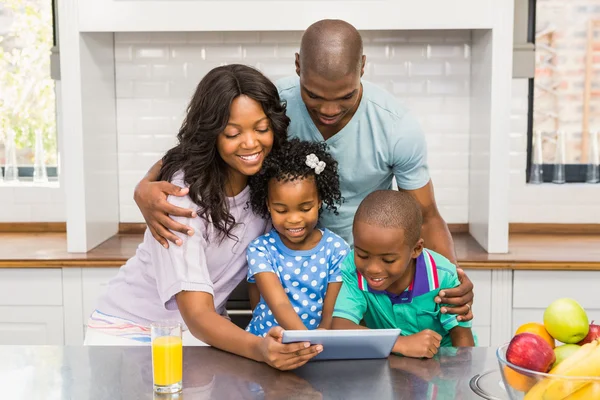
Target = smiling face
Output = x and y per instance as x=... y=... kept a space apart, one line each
x=382 y=257
x=331 y=103
x=246 y=140
x=294 y=208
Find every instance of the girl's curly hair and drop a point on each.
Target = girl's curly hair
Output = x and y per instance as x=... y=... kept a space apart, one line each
x=289 y=163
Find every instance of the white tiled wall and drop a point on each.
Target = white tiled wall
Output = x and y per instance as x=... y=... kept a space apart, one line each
x=546 y=203
x=158 y=72
x=28 y=203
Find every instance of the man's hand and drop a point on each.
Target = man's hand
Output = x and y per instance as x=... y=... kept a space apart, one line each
x=151 y=199
x=461 y=297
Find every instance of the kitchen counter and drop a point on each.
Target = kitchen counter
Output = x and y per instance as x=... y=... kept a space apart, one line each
x=527 y=251
x=77 y=372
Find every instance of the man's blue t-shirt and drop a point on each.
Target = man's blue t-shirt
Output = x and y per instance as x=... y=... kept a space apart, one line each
x=381 y=141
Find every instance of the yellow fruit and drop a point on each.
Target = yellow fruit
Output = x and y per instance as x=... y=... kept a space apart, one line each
x=589 y=392
x=580 y=363
x=537 y=329
x=517 y=380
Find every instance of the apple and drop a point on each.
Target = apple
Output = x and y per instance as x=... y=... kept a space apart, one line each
x=566 y=321
x=593 y=334
x=563 y=352
x=530 y=351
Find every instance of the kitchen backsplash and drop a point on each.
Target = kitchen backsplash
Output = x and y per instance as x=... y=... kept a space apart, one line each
x=158 y=72
x=428 y=71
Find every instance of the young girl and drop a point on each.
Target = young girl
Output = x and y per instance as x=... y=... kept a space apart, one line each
x=233 y=121
x=296 y=266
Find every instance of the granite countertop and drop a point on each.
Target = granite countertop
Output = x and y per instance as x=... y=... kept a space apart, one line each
x=98 y=373
x=526 y=251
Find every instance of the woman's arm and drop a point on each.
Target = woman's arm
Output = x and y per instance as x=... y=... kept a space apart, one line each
x=462 y=337
x=271 y=290
x=333 y=289
x=197 y=310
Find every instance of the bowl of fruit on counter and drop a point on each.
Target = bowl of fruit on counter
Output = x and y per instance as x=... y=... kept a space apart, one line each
x=554 y=360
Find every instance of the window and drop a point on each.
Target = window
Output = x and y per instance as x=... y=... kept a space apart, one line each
x=564 y=95
x=28 y=138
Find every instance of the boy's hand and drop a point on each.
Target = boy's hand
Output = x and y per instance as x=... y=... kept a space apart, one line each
x=151 y=199
x=461 y=297
x=423 y=344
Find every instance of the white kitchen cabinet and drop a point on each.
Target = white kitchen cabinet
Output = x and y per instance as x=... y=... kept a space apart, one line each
x=31 y=306
x=482 y=282
x=31 y=325
x=535 y=290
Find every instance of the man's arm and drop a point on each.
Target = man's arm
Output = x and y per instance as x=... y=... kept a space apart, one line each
x=437 y=237
x=151 y=198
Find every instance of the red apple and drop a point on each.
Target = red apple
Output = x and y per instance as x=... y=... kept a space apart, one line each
x=530 y=351
x=592 y=335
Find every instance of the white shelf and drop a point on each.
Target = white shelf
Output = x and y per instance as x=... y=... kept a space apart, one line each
x=246 y=15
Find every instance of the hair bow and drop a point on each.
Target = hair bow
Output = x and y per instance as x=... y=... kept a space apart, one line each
x=313 y=162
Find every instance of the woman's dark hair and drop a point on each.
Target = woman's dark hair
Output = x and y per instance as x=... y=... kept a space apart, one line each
x=289 y=163
x=196 y=154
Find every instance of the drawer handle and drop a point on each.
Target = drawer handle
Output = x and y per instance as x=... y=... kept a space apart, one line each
x=239 y=312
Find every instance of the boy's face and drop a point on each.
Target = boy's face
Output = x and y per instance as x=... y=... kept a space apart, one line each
x=381 y=254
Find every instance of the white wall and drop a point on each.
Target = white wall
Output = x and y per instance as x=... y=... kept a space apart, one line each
x=157 y=73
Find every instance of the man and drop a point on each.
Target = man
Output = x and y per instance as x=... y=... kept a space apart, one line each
x=373 y=138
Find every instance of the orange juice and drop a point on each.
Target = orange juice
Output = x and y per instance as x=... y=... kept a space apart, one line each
x=167 y=360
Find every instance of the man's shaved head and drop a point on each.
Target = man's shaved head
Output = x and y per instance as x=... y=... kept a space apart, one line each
x=392 y=209
x=332 y=49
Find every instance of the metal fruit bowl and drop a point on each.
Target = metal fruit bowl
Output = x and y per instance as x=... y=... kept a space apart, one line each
x=522 y=383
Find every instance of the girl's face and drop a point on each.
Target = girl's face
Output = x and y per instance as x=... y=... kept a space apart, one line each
x=294 y=207
x=246 y=140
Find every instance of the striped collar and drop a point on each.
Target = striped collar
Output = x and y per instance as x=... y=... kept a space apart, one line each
x=424 y=281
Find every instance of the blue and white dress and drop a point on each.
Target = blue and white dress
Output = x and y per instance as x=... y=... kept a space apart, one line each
x=304 y=276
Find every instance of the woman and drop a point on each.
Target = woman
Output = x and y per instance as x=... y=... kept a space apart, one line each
x=234 y=120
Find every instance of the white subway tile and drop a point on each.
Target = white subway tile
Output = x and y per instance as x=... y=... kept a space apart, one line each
x=187 y=53
x=241 y=37
x=456 y=36
x=277 y=69
x=7 y=195
x=181 y=89
x=447 y=86
x=33 y=195
x=168 y=37
x=451 y=196
x=130 y=213
x=134 y=108
x=140 y=162
x=223 y=52
x=48 y=212
x=377 y=51
x=454 y=214
x=133 y=71
x=443 y=178
x=449 y=161
x=456 y=105
x=458 y=68
x=153 y=125
x=123 y=54
x=408 y=87
x=281 y=37
x=384 y=36
x=260 y=51
x=444 y=51
x=406 y=52
x=168 y=71
x=125 y=124
x=397 y=69
x=288 y=52
x=150 y=53
x=425 y=37
x=426 y=68
x=16 y=213
x=168 y=107
x=204 y=37
x=196 y=70
x=150 y=89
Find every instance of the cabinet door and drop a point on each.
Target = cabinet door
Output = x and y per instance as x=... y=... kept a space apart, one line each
x=31 y=325
x=482 y=288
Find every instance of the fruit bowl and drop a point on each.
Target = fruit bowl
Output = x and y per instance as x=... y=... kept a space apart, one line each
x=522 y=383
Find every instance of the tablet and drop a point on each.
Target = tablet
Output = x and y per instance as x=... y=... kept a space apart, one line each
x=348 y=344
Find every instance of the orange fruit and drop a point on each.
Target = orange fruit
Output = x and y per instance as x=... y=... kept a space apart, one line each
x=517 y=380
x=537 y=329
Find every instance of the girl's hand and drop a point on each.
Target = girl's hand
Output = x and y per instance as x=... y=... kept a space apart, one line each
x=285 y=356
x=423 y=344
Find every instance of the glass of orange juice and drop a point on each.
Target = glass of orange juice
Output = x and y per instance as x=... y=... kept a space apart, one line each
x=167 y=356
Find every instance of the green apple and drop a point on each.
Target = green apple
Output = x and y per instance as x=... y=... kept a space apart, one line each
x=566 y=321
x=563 y=352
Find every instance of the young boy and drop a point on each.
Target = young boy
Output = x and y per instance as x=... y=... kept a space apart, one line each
x=390 y=280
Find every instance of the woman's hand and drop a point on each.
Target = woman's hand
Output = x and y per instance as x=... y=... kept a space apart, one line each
x=285 y=356
x=461 y=297
x=151 y=199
